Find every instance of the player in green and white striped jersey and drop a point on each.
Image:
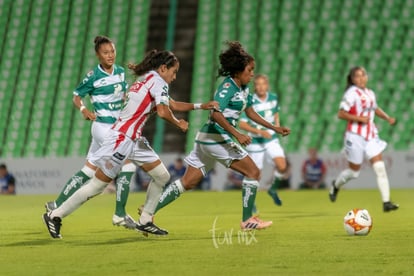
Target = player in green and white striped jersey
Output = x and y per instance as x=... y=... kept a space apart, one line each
x=106 y=86
x=265 y=143
x=219 y=140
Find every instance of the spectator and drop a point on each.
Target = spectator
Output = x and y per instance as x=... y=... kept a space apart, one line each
x=313 y=172
x=177 y=169
x=7 y=181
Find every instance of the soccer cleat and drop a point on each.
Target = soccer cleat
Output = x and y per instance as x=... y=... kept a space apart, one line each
x=389 y=206
x=50 y=206
x=333 y=192
x=53 y=225
x=150 y=228
x=127 y=221
x=275 y=197
x=255 y=223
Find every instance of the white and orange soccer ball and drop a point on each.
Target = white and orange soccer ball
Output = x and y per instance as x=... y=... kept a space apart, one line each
x=358 y=222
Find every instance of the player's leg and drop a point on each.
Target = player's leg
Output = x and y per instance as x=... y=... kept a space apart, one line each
x=199 y=163
x=122 y=185
x=276 y=153
x=74 y=183
x=374 y=151
x=190 y=179
x=98 y=132
x=109 y=158
x=248 y=168
x=354 y=146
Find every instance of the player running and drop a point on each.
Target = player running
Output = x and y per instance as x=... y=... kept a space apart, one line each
x=106 y=85
x=359 y=107
x=219 y=140
x=125 y=141
x=265 y=143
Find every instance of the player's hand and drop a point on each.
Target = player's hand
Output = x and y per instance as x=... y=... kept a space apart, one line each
x=210 y=105
x=392 y=121
x=364 y=119
x=88 y=115
x=183 y=125
x=283 y=130
x=243 y=139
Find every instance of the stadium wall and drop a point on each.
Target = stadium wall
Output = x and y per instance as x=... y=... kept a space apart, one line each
x=48 y=175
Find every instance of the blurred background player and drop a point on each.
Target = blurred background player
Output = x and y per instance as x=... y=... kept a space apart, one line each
x=265 y=143
x=219 y=140
x=359 y=107
x=313 y=171
x=125 y=141
x=7 y=181
x=106 y=86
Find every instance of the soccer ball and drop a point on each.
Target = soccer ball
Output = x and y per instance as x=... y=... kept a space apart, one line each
x=358 y=222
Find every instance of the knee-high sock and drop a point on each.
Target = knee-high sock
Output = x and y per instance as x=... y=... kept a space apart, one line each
x=160 y=177
x=249 y=189
x=382 y=180
x=86 y=192
x=170 y=193
x=345 y=176
x=74 y=183
x=122 y=185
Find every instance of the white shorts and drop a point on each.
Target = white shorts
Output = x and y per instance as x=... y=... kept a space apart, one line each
x=117 y=148
x=356 y=147
x=98 y=132
x=204 y=156
x=270 y=150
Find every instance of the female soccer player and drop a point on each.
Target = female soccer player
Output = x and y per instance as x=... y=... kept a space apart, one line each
x=359 y=107
x=265 y=142
x=124 y=140
x=106 y=86
x=219 y=140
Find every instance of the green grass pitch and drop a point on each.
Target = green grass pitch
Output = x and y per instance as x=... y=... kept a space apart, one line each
x=306 y=238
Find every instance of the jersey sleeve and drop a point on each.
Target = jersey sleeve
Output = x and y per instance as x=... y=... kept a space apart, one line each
x=348 y=100
x=223 y=95
x=86 y=86
x=244 y=118
x=159 y=91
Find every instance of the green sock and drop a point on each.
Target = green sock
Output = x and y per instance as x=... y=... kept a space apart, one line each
x=249 y=197
x=74 y=183
x=170 y=193
x=275 y=184
x=122 y=192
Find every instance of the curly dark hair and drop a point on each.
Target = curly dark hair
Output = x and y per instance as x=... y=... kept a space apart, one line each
x=99 y=40
x=233 y=60
x=152 y=60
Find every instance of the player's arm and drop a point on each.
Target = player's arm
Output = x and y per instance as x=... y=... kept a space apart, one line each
x=184 y=106
x=345 y=115
x=381 y=113
x=252 y=114
x=221 y=120
x=165 y=113
x=78 y=103
x=248 y=127
x=276 y=119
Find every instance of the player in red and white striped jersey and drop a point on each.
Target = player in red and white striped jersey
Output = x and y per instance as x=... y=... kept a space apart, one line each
x=124 y=141
x=359 y=107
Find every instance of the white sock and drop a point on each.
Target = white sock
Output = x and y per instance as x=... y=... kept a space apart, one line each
x=87 y=191
x=382 y=180
x=160 y=177
x=277 y=175
x=345 y=176
x=88 y=171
